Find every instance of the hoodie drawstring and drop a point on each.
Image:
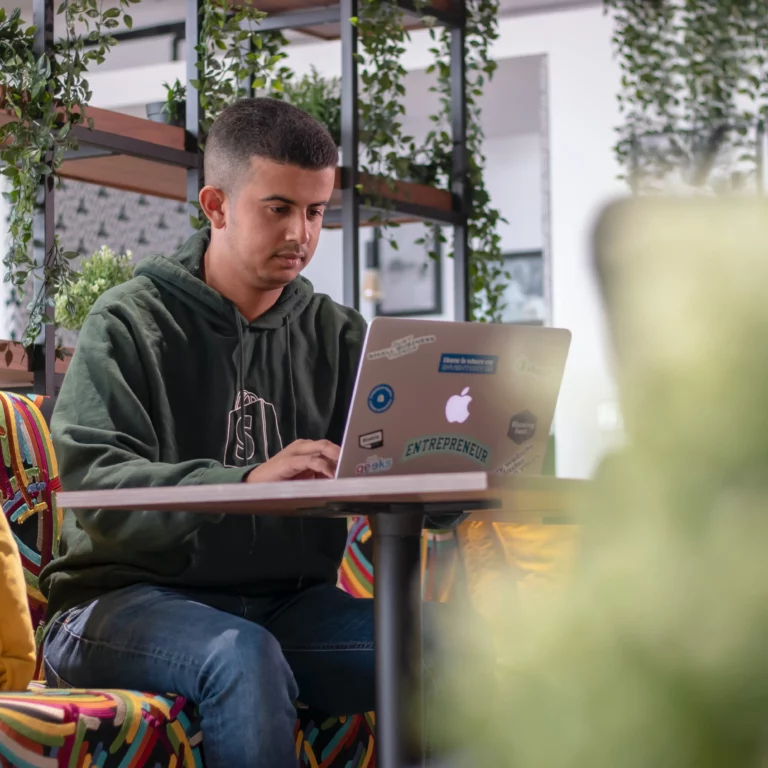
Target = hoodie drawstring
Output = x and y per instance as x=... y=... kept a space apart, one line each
x=293 y=406
x=241 y=411
x=241 y=381
x=290 y=380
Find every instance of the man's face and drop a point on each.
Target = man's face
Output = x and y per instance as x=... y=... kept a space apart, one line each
x=273 y=220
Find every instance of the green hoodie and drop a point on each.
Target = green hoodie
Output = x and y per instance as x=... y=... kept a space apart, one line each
x=165 y=376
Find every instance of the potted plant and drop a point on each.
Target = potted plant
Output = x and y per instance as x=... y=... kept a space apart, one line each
x=320 y=97
x=172 y=111
x=103 y=270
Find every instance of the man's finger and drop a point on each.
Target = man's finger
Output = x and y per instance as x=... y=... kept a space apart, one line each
x=316 y=447
x=321 y=466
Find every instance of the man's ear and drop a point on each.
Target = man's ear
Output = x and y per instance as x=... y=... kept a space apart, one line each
x=213 y=202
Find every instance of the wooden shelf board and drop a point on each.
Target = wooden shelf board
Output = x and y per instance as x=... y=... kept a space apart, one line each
x=16 y=372
x=132 y=174
x=106 y=120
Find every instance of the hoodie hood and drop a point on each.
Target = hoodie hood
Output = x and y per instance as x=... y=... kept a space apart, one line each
x=181 y=276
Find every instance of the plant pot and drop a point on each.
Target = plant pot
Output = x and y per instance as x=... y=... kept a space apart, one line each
x=422 y=174
x=157 y=112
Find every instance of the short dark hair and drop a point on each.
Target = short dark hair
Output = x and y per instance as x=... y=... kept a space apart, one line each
x=269 y=128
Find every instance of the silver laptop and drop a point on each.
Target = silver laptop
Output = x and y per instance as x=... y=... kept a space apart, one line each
x=434 y=396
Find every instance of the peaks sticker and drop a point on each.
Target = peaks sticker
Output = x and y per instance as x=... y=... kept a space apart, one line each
x=455 y=363
x=525 y=367
x=401 y=347
x=372 y=465
x=371 y=440
x=380 y=398
x=522 y=427
x=454 y=444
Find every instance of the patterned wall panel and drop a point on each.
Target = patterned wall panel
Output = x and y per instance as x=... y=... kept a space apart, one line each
x=88 y=217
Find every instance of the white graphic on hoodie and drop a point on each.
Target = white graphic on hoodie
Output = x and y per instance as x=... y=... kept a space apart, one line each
x=253 y=435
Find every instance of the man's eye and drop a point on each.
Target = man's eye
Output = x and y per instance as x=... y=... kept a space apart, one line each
x=316 y=213
x=280 y=209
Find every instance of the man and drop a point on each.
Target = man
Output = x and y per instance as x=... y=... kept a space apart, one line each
x=219 y=365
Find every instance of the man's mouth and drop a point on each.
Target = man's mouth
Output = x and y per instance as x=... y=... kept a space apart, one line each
x=290 y=258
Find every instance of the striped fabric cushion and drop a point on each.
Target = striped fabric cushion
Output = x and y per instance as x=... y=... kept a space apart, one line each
x=29 y=478
x=440 y=562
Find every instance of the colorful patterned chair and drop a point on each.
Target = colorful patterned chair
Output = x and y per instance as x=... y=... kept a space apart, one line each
x=45 y=728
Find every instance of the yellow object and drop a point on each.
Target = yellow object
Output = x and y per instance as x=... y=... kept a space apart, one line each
x=533 y=557
x=17 y=641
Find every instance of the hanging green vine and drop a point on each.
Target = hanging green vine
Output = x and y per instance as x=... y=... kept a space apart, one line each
x=693 y=93
x=385 y=147
x=488 y=278
x=46 y=96
x=233 y=53
x=234 y=60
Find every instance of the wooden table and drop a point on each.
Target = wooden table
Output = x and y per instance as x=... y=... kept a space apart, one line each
x=396 y=507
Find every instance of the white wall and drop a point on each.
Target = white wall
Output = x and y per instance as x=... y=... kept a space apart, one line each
x=514 y=180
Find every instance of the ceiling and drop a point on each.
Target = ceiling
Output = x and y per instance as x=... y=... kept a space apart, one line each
x=514 y=7
x=174 y=9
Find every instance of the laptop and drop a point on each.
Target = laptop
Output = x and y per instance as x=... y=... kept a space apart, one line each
x=434 y=396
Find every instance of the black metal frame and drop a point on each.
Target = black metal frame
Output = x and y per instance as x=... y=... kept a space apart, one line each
x=373 y=261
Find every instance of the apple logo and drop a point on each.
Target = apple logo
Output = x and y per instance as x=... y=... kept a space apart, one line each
x=457 y=407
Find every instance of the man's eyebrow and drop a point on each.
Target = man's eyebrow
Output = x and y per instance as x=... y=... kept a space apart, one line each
x=288 y=201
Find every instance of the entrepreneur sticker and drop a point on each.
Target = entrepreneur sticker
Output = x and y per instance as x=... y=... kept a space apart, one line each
x=453 y=444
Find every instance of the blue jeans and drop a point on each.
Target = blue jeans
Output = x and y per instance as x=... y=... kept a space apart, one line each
x=244 y=661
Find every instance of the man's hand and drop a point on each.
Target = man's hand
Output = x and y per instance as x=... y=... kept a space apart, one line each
x=301 y=460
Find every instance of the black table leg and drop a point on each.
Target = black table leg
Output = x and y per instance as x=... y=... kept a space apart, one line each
x=397 y=614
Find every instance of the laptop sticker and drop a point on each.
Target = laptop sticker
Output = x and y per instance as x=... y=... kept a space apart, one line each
x=372 y=465
x=451 y=362
x=455 y=444
x=522 y=427
x=524 y=367
x=519 y=462
x=401 y=347
x=371 y=440
x=381 y=398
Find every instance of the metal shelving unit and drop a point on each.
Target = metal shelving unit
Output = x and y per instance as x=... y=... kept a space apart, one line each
x=138 y=155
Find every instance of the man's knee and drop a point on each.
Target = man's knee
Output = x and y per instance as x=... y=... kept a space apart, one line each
x=247 y=656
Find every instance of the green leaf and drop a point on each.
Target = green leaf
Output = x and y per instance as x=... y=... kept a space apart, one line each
x=128 y=21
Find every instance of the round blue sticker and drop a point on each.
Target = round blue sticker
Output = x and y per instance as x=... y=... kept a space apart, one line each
x=381 y=398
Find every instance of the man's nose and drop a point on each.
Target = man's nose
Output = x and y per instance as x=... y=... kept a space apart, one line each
x=299 y=229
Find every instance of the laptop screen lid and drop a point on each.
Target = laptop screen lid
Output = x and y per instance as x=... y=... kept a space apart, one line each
x=436 y=396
